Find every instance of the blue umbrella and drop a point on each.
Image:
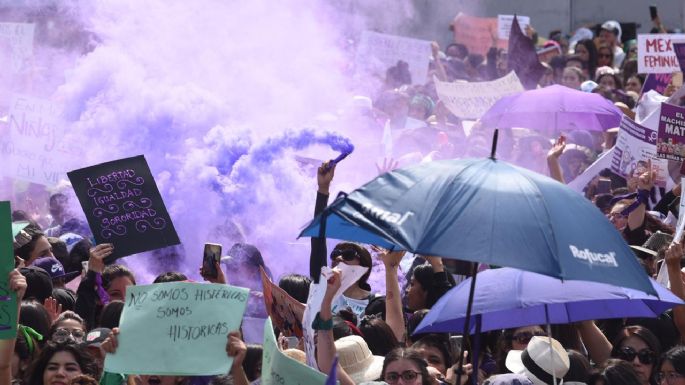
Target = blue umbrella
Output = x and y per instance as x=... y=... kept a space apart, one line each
x=509 y=298
x=489 y=211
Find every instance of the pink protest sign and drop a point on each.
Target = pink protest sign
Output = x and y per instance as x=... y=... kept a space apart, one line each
x=478 y=34
x=671 y=139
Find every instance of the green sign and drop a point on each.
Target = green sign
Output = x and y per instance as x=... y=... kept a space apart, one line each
x=177 y=328
x=279 y=369
x=8 y=298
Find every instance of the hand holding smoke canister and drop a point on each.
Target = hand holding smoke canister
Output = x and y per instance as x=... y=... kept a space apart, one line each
x=340 y=157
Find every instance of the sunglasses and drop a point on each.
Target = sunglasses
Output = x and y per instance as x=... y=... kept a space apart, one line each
x=61 y=335
x=645 y=356
x=346 y=255
x=525 y=337
x=407 y=375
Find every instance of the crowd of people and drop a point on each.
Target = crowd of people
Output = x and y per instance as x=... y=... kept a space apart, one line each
x=64 y=335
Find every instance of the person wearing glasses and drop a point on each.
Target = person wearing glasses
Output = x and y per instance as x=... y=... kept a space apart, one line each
x=357 y=296
x=640 y=347
x=605 y=58
x=68 y=327
x=672 y=367
x=405 y=366
x=514 y=339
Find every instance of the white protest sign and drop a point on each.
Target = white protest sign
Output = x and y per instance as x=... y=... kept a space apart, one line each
x=470 y=100
x=17 y=40
x=377 y=52
x=35 y=149
x=349 y=275
x=635 y=145
x=655 y=54
x=504 y=25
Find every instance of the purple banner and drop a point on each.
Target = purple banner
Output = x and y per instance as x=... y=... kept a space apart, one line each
x=679 y=49
x=656 y=82
x=671 y=138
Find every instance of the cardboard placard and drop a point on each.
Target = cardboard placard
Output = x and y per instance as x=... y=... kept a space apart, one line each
x=177 y=328
x=285 y=311
x=377 y=52
x=8 y=298
x=655 y=53
x=17 y=40
x=35 y=149
x=671 y=138
x=279 y=369
x=478 y=34
x=123 y=206
x=349 y=275
x=470 y=100
x=635 y=145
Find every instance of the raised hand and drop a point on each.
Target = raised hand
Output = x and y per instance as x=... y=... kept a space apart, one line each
x=324 y=176
x=110 y=344
x=17 y=284
x=53 y=307
x=97 y=256
x=387 y=166
x=558 y=148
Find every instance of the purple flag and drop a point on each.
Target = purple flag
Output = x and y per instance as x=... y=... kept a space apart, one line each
x=679 y=49
x=656 y=82
x=523 y=58
x=333 y=375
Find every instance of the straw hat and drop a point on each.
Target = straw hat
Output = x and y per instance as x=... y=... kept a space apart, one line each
x=656 y=242
x=356 y=359
x=538 y=363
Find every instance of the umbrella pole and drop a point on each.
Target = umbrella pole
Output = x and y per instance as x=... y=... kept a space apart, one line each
x=551 y=352
x=495 y=135
x=469 y=305
x=475 y=350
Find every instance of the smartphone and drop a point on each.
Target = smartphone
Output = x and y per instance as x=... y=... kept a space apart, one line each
x=292 y=342
x=85 y=265
x=652 y=12
x=212 y=255
x=455 y=345
x=604 y=186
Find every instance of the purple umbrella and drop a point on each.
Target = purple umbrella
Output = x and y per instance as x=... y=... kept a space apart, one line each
x=553 y=109
x=507 y=298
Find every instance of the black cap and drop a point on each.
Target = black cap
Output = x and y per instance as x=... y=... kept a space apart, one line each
x=38 y=281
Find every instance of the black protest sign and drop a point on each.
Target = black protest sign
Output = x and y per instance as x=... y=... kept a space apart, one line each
x=123 y=206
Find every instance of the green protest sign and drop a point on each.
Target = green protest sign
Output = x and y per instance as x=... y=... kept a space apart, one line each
x=8 y=299
x=177 y=328
x=279 y=369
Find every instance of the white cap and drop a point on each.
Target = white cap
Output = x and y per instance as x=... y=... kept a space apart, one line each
x=614 y=26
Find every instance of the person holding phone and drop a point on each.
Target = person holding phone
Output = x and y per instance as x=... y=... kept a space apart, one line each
x=211 y=270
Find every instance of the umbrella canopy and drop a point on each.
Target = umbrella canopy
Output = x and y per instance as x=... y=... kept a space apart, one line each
x=507 y=298
x=553 y=109
x=489 y=211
